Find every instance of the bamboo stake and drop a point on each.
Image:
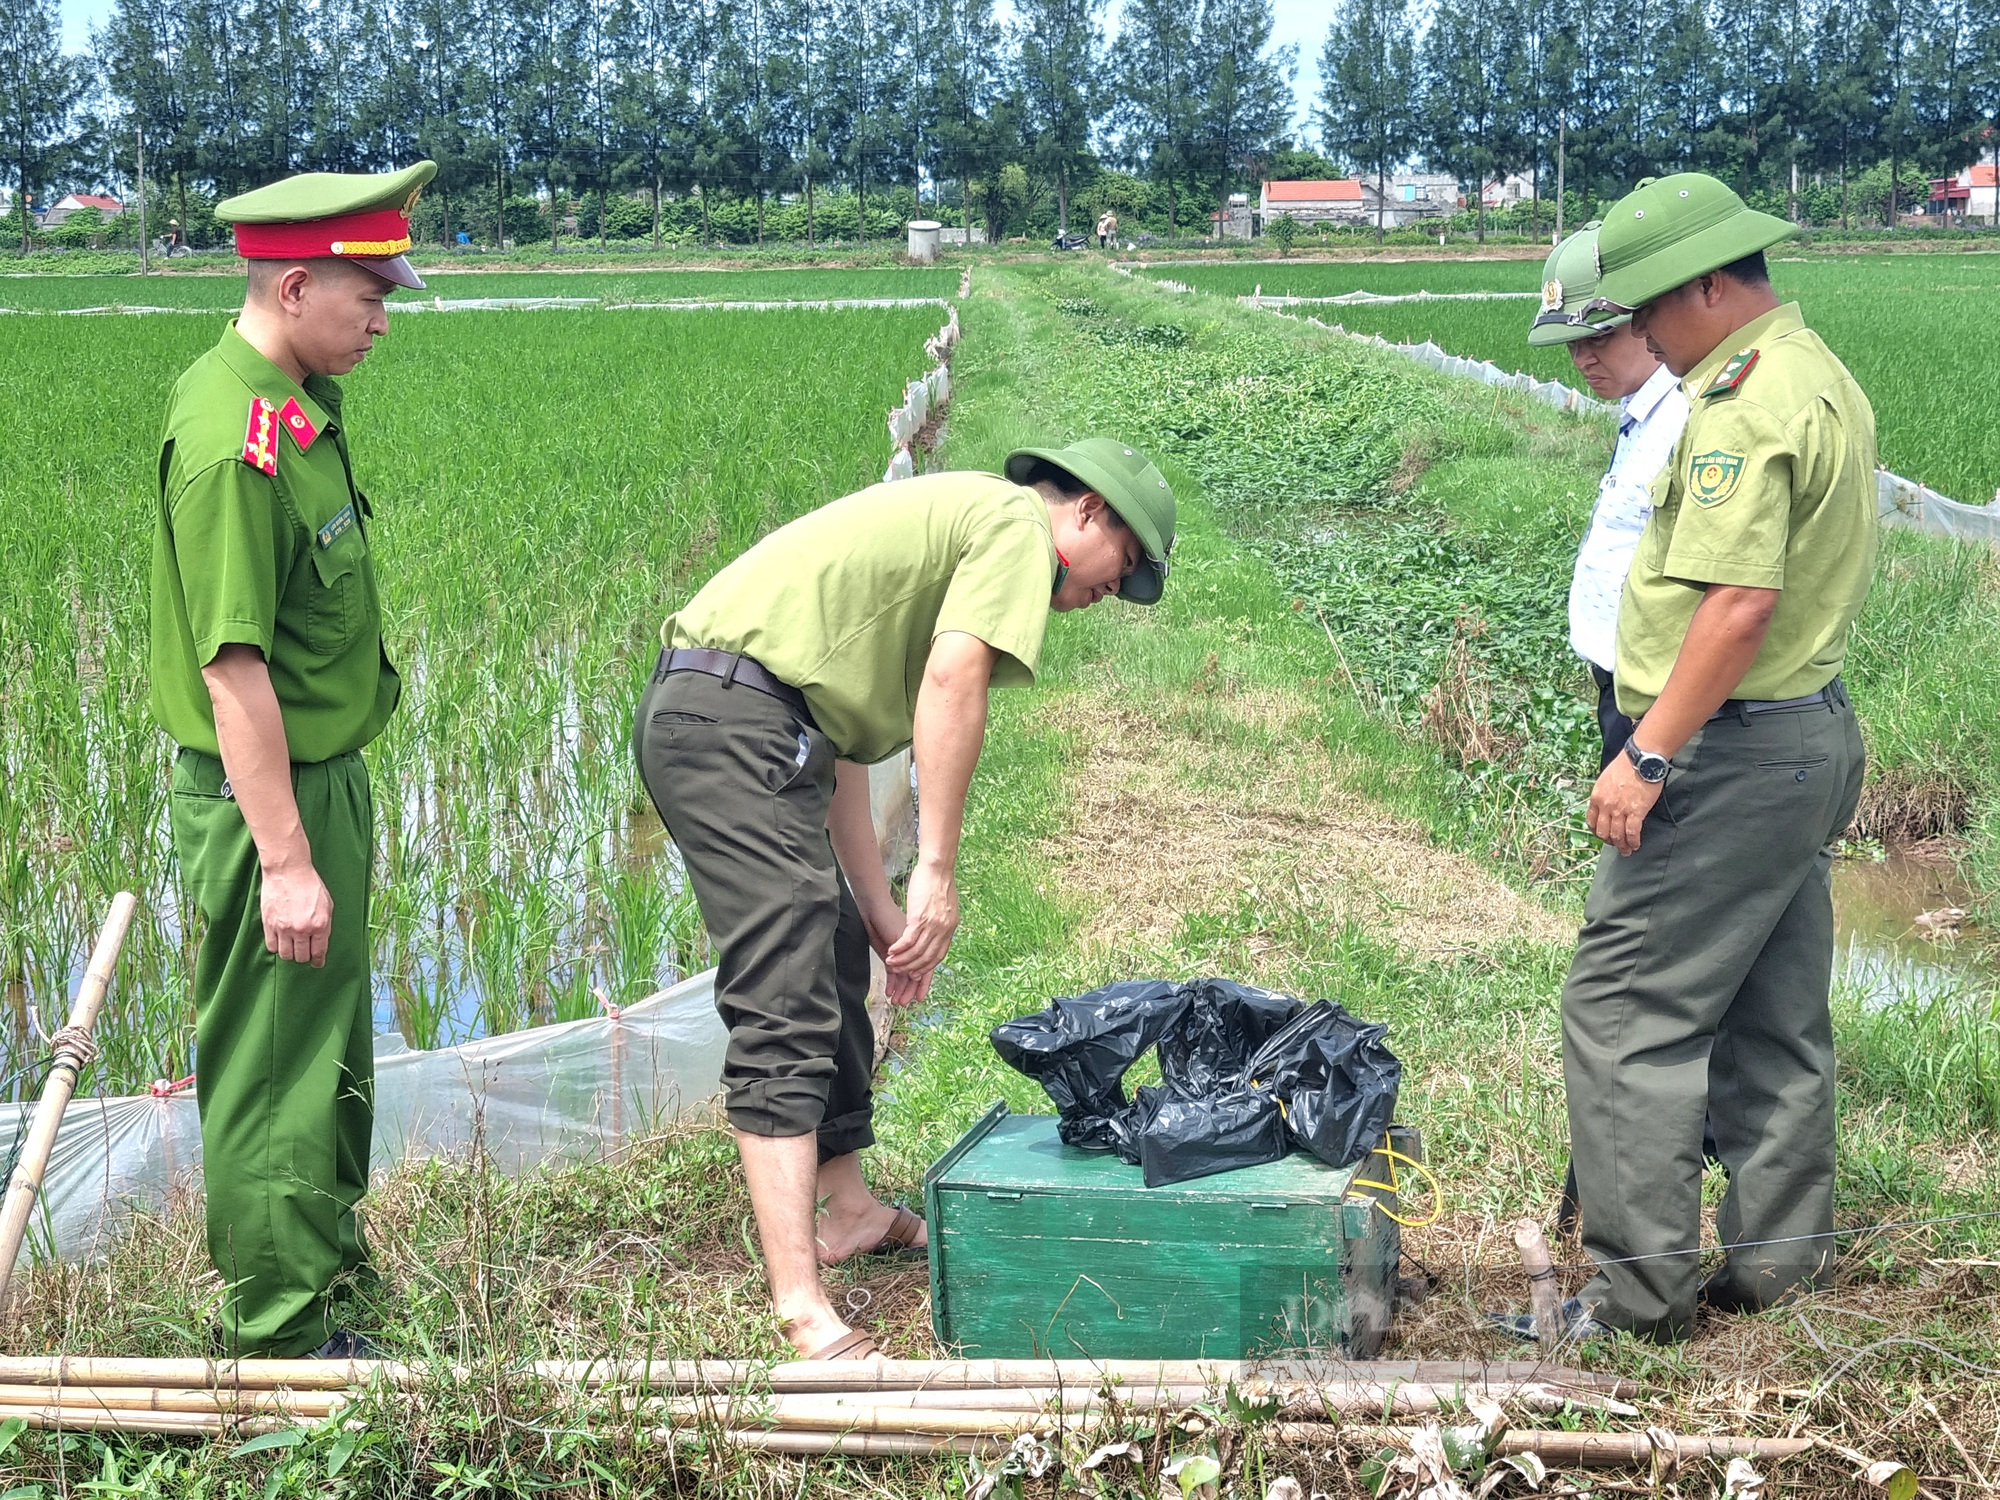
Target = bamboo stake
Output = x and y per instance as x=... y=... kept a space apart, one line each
x=1544 y=1295
x=215 y=1374
x=66 y=1064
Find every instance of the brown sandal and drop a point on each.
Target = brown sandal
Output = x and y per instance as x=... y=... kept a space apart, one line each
x=900 y=1242
x=855 y=1345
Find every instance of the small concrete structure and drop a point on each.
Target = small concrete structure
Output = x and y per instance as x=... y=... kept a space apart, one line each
x=924 y=240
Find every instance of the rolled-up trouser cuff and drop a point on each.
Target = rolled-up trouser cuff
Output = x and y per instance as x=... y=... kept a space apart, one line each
x=846 y=1134
x=777 y=1106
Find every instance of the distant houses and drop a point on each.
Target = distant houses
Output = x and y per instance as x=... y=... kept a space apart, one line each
x=1403 y=198
x=59 y=211
x=1969 y=195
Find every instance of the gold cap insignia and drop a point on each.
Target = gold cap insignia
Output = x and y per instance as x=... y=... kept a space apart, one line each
x=410 y=203
x=1552 y=295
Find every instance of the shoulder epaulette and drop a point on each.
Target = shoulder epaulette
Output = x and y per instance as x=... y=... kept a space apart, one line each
x=1731 y=375
x=260 y=437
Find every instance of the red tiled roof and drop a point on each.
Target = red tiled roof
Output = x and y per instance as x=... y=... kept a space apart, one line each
x=1327 y=190
x=95 y=200
x=1982 y=174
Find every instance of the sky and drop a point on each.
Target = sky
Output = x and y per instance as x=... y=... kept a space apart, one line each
x=1300 y=21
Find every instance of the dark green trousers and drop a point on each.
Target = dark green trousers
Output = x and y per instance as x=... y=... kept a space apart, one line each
x=284 y=1059
x=1700 y=987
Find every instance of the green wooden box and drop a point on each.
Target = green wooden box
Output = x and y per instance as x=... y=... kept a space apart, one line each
x=1040 y=1249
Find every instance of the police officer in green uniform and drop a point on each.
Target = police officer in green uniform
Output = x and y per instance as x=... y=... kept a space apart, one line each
x=878 y=622
x=1701 y=975
x=268 y=671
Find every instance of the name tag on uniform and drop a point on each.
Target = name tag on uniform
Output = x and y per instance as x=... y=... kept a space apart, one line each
x=332 y=530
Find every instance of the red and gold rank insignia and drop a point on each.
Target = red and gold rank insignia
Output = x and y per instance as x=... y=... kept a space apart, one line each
x=260 y=438
x=1731 y=375
x=297 y=423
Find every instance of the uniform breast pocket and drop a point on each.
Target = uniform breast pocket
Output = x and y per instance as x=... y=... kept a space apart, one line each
x=336 y=599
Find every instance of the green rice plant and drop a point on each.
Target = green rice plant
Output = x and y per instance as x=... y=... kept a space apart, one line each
x=547 y=487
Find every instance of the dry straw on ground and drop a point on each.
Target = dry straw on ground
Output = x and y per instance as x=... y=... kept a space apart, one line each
x=1224 y=823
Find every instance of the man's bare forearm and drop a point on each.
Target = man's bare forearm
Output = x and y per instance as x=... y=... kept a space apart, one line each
x=250 y=731
x=850 y=823
x=950 y=731
x=1722 y=642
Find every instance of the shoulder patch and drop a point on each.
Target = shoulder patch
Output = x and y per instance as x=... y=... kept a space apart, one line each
x=260 y=437
x=1712 y=476
x=297 y=423
x=1731 y=375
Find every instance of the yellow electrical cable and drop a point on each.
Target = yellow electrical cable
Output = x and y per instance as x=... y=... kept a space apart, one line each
x=1393 y=1186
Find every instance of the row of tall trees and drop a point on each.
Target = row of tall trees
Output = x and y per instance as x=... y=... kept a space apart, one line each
x=974 y=103
x=1767 y=94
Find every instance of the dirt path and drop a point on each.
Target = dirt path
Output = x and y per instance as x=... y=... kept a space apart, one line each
x=1217 y=799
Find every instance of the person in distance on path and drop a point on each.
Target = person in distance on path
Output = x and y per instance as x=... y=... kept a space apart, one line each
x=268 y=671
x=876 y=622
x=1701 y=975
x=1617 y=364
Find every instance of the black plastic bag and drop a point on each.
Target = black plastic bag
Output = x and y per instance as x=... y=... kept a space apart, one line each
x=1338 y=1079
x=1079 y=1048
x=1181 y=1139
x=1246 y=1074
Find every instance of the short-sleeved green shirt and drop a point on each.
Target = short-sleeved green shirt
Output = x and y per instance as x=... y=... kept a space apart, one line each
x=276 y=560
x=1771 y=486
x=844 y=602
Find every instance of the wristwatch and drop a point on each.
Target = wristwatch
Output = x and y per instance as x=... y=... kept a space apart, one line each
x=1651 y=768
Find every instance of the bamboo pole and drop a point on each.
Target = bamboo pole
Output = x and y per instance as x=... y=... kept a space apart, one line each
x=171 y=1423
x=1561 y=1450
x=153 y=1398
x=802 y=1376
x=1544 y=1295
x=67 y=1063
x=1349 y=1400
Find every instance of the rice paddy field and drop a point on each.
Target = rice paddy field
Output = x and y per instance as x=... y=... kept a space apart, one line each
x=546 y=485
x=224 y=292
x=1919 y=333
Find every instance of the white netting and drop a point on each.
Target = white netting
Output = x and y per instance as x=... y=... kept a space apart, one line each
x=922 y=399
x=538 y=1095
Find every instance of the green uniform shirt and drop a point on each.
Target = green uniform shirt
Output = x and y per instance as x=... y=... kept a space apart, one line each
x=843 y=603
x=1772 y=486
x=276 y=560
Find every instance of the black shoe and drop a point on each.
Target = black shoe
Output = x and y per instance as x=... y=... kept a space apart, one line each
x=1579 y=1324
x=347 y=1344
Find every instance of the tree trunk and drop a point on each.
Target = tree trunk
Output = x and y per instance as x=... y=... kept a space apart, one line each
x=499 y=206
x=861 y=208
x=555 y=218
x=656 y=206
x=760 y=218
x=1381 y=198
x=1062 y=200
x=701 y=191
x=1173 y=216
x=812 y=233
x=602 y=215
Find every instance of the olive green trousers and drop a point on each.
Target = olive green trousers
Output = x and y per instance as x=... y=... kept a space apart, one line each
x=1699 y=987
x=284 y=1058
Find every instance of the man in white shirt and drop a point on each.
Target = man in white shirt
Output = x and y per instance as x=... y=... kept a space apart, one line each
x=1653 y=409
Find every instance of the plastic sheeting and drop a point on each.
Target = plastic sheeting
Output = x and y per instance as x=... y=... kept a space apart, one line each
x=922 y=398
x=1260 y=298
x=1904 y=502
x=551 y=1092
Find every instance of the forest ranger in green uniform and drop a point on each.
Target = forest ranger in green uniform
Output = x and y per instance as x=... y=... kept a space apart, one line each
x=1701 y=976
x=877 y=622
x=268 y=671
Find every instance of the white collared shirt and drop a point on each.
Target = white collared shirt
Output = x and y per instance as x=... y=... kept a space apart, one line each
x=1649 y=424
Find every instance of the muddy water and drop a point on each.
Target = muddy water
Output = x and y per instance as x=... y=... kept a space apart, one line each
x=1880 y=947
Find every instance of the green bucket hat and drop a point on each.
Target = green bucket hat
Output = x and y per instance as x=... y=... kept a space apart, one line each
x=1669 y=230
x=1130 y=485
x=1569 y=284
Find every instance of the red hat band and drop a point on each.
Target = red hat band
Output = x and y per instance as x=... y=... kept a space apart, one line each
x=375 y=234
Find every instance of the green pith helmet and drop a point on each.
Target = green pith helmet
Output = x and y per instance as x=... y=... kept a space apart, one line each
x=362 y=217
x=1669 y=230
x=1569 y=283
x=1130 y=485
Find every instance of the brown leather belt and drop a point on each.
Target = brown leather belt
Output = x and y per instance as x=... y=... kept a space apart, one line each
x=733 y=667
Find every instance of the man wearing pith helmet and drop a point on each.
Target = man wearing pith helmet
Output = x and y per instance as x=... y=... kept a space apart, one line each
x=1701 y=975
x=268 y=672
x=877 y=622
x=1616 y=363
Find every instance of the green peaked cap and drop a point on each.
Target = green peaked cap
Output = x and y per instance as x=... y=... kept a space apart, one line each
x=1669 y=230
x=323 y=195
x=1569 y=283
x=1130 y=485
